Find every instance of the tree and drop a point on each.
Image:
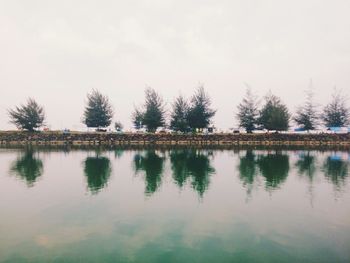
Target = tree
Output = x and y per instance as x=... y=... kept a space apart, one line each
x=179 y=121
x=248 y=112
x=29 y=117
x=154 y=115
x=137 y=118
x=336 y=113
x=274 y=115
x=98 y=111
x=200 y=113
x=307 y=115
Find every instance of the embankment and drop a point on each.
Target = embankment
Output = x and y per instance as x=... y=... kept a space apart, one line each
x=80 y=138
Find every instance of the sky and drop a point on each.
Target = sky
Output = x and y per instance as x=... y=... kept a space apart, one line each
x=57 y=51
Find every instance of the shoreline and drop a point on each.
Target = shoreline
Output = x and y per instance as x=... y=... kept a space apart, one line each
x=129 y=139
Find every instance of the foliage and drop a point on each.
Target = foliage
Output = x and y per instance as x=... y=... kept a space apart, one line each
x=98 y=112
x=248 y=112
x=153 y=115
x=137 y=118
x=200 y=113
x=29 y=117
x=307 y=115
x=274 y=114
x=179 y=115
x=336 y=113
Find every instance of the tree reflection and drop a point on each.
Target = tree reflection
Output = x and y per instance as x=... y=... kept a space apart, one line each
x=247 y=170
x=97 y=171
x=336 y=170
x=274 y=167
x=306 y=165
x=192 y=164
x=152 y=165
x=28 y=167
x=179 y=159
x=118 y=153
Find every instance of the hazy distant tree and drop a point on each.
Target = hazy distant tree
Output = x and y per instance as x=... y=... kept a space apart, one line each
x=274 y=115
x=118 y=126
x=29 y=116
x=98 y=111
x=307 y=115
x=248 y=112
x=137 y=118
x=179 y=120
x=200 y=113
x=336 y=113
x=154 y=115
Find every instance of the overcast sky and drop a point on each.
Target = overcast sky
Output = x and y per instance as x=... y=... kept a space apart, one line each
x=57 y=51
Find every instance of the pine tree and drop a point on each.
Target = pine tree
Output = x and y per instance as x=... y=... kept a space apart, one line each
x=200 y=113
x=306 y=115
x=274 y=115
x=154 y=115
x=179 y=121
x=29 y=117
x=336 y=113
x=248 y=111
x=98 y=112
x=137 y=118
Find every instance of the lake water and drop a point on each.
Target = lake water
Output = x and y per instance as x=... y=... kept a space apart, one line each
x=174 y=205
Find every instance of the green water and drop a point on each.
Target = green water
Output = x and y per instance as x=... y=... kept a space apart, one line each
x=174 y=206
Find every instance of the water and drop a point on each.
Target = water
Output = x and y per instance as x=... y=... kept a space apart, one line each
x=174 y=206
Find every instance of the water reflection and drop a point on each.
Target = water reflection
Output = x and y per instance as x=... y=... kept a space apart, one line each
x=28 y=167
x=124 y=226
x=194 y=165
x=306 y=165
x=247 y=170
x=152 y=165
x=274 y=167
x=336 y=170
x=179 y=167
x=97 y=171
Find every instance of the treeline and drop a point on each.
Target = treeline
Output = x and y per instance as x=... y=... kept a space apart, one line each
x=196 y=113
